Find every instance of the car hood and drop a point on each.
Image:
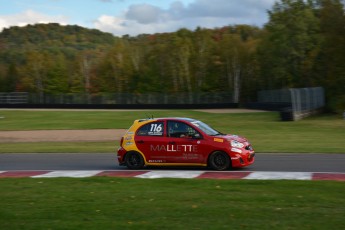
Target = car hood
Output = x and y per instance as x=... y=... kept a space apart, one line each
x=231 y=137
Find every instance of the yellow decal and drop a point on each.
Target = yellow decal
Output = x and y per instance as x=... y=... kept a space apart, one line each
x=218 y=140
x=128 y=143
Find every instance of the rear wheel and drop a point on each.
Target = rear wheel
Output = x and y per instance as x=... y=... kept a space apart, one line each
x=134 y=160
x=219 y=161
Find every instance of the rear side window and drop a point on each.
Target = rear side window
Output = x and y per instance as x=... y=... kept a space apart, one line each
x=152 y=129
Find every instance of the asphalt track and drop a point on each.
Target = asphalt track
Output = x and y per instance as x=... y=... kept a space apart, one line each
x=268 y=162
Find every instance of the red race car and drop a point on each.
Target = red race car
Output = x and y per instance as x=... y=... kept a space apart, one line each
x=182 y=142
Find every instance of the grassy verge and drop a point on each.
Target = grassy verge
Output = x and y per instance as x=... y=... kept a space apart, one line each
x=323 y=134
x=117 y=203
x=36 y=120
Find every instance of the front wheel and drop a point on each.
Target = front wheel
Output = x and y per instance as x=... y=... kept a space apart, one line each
x=134 y=160
x=219 y=161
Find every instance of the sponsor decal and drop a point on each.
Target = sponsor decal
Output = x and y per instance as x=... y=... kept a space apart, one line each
x=128 y=138
x=236 y=150
x=129 y=143
x=190 y=156
x=174 y=148
x=155 y=161
x=218 y=140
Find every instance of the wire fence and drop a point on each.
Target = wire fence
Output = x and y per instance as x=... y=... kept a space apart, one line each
x=117 y=98
x=302 y=101
x=296 y=102
x=14 y=98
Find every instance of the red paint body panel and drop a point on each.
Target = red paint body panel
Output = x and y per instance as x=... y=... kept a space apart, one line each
x=182 y=141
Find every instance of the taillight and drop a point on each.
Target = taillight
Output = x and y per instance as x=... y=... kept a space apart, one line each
x=121 y=141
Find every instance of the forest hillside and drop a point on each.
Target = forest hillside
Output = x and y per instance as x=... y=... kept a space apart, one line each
x=302 y=45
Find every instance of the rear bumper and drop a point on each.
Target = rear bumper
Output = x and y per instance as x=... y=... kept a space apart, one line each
x=121 y=152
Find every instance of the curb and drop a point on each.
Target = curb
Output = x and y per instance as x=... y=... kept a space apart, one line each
x=249 y=175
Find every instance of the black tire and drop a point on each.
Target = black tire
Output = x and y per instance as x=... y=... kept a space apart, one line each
x=134 y=160
x=219 y=161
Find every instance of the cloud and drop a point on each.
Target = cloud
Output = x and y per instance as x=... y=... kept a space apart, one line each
x=147 y=18
x=109 y=23
x=226 y=8
x=29 y=17
x=121 y=26
x=144 y=13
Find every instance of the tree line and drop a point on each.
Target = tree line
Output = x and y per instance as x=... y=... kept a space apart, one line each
x=302 y=45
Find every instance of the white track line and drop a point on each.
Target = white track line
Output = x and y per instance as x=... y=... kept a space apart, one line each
x=265 y=175
x=170 y=174
x=279 y=176
x=70 y=173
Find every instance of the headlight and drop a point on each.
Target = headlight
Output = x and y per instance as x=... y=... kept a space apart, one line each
x=236 y=144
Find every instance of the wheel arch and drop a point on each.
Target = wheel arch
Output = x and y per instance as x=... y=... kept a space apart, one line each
x=209 y=155
x=135 y=151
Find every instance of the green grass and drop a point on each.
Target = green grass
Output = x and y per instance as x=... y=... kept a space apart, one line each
x=38 y=120
x=118 y=203
x=318 y=134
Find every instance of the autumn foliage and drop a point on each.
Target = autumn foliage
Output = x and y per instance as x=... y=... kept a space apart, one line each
x=302 y=45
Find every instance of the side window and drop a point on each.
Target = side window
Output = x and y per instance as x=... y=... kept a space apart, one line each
x=181 y=130
x=152 y=129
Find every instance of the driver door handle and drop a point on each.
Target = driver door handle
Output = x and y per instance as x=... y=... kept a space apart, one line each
x=140 y=142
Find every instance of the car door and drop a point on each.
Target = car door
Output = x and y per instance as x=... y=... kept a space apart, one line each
x=150 y=140
x=184 y=143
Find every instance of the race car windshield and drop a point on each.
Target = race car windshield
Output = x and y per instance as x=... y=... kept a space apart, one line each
x=206 y=129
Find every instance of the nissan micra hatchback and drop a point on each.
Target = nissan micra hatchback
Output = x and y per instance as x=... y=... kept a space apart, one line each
x=182 y=142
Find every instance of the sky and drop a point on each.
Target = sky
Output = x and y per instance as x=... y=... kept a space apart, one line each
x=133 y=17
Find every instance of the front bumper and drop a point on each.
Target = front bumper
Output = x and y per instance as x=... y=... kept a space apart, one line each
x=243 y=159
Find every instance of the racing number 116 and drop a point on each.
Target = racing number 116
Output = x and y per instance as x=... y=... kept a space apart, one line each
x=156 y=128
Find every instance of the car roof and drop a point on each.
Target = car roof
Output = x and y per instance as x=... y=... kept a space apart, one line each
x=169 y=118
